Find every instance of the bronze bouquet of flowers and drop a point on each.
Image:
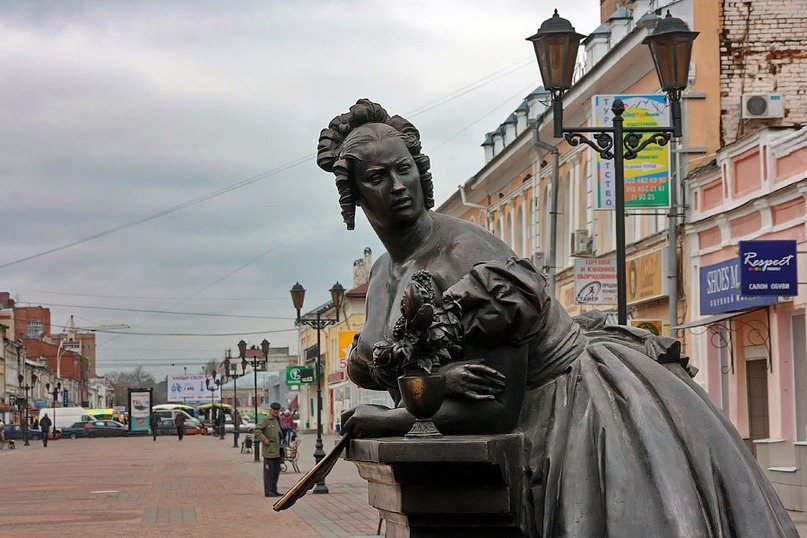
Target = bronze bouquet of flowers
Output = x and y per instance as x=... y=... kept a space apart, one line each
x=427 y=334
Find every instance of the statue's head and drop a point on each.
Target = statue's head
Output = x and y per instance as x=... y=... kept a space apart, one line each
x=366 y=122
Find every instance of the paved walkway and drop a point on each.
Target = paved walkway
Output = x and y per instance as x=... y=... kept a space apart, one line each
x=139 y=487
x=198 y=487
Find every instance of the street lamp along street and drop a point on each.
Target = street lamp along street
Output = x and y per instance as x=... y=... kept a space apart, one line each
x=213 y=387
x=242 y=352
x=26 y=387
x=318 y=323
x=556 y=44
x=231 y=371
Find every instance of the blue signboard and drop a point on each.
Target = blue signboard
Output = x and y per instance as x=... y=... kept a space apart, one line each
x=720 y=289
x=64 y=403
x=768 y=268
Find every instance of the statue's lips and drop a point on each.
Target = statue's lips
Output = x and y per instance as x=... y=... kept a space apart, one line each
x=403 y=203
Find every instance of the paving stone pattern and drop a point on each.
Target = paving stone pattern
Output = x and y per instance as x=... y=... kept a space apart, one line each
x=198 y=487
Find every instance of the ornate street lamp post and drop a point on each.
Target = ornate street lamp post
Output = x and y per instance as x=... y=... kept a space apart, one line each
x=556 y=44
x=231 y=370
x=318 y=323
x=56 y=390
x=213 y=387
x=26 y=387
x=242 y=352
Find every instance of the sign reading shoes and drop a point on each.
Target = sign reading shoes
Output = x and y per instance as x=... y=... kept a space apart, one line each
x=768 y=268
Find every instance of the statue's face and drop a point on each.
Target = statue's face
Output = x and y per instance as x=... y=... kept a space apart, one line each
x=387 y=182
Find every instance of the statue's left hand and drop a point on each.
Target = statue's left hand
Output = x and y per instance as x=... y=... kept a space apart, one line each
x=472 y=381
x=375 y=421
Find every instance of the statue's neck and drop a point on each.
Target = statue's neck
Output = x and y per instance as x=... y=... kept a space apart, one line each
x=401 y=242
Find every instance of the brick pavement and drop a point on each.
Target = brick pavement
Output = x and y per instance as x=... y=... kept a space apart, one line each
x=138 y=487
x=199 y=487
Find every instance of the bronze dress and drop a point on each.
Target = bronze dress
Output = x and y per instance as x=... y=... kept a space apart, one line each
x=620 y=441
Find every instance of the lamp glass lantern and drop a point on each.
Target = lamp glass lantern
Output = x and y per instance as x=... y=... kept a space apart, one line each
x=671 y=47
x=556 y=44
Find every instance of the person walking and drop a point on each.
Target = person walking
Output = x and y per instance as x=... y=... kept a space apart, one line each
x=180 y=422
x=267 y=433
x=154 y=421
x=287 y=425
x=45 y=425
x=236 y=426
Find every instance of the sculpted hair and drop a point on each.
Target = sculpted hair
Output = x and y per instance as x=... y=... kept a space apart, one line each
x=336 y=143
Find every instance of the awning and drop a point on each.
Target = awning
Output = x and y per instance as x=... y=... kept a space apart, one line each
x=709 y=320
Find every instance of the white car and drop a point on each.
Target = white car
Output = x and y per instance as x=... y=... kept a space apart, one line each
x=246 y=427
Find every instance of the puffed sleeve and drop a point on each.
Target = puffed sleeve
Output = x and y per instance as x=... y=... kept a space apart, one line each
x=507 y=304
x=501 y=303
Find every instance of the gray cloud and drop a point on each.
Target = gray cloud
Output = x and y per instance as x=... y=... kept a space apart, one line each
x=114 y=111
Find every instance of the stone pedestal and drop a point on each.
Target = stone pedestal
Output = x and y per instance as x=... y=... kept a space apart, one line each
x=447 y=486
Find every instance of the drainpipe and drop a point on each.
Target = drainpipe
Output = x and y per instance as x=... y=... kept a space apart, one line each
x=553 y=209
x=466 y=203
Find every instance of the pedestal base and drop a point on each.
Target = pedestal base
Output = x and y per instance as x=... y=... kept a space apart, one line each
x=445 y=486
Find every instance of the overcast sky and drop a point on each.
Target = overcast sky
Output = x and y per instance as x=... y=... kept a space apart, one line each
x=157 y=158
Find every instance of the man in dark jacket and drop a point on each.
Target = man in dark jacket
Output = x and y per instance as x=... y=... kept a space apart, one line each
x=45 y=425
x=154 y=421
x=180 y=423
x=267 y=433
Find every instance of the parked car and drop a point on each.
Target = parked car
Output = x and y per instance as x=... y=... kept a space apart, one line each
x=75 y=430
x=168 y=427
x=246 y=427
x=105 y=428
x=14 y=431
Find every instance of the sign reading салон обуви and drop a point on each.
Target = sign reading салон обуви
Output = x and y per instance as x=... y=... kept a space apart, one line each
x=768 y=268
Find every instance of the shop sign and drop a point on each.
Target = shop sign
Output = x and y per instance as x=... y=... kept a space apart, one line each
x=655 y=326
x=646 y=277
x=336 y=377
x=720 y=289
x=299 y=375
x=768 y=268
x=595 y=281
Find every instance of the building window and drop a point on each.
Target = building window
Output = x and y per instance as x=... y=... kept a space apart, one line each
x=33 y=329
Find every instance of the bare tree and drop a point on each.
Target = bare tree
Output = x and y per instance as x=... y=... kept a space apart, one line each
x=123 y=381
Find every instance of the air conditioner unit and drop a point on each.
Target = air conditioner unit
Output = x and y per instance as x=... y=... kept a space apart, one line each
x=760 y=106
x=582 y=244
x=539 y=260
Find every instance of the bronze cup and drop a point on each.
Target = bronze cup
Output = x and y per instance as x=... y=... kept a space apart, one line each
x=422 y=396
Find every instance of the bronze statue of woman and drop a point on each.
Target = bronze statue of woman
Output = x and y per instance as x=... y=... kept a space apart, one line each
x=619 y=440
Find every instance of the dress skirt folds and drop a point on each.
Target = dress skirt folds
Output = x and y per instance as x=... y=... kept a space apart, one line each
x=620 y=440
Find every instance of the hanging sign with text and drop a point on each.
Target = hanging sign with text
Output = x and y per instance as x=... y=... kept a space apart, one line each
x=595 y=281
x=768 y=268
x=647 y=177
x=299 y=375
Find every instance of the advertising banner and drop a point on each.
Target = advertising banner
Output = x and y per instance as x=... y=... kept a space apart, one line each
x=345 y=341
x=647 y=177
x=768 y=268
x=139 y=409
x=595 y=281
x=720 y=289
x=646 y=277
x=188 y=387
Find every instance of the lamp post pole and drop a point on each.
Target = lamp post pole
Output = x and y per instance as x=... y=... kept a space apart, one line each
x=56 y=389
x=26 y=387
x=318 y=323
x=242 y=352
x=232 y=370
x=212 y=387
x=556 y=44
